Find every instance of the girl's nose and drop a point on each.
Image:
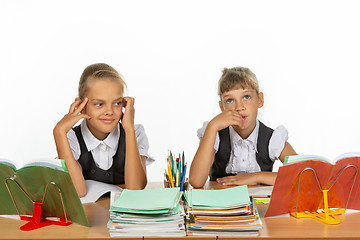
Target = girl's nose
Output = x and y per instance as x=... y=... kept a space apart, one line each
x=109 y=110
x=239 y=106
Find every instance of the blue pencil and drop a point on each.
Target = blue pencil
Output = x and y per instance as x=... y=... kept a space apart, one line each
x=183 y=179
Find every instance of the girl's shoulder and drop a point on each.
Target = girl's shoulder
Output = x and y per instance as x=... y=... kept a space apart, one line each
x=201 y=131
x=277 y=142
x=139 y=129
x=280 y=130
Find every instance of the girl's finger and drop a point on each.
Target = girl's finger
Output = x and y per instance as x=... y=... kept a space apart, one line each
x=124 y=103
x=85 y=116
x=81 y=116
x=81 y=106
x=74 y=105
x=228 y=183
x=221 y=179
x=122 y=116
x=129 y=101
x=238 y=119
x=227 y=179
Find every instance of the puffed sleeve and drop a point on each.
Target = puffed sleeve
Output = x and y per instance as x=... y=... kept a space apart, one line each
x=74 y=144
x=200 y=134
x=277 y=142
x=143 y=143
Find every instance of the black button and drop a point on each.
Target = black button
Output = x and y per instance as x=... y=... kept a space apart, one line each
x=92 y=171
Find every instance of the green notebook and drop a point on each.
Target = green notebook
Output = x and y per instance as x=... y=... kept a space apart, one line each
x=223 y=198
x=147 y=201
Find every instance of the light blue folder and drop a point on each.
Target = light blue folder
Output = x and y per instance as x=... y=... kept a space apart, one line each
x=147 y=201
x=223 y=198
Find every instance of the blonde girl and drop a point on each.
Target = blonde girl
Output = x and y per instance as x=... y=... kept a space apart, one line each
x=107 y=146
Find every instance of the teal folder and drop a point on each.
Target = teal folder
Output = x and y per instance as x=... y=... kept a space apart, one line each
x=223 y=198
x=147 y=201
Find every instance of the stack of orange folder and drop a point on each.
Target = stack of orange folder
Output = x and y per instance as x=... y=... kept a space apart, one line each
x=237 y=219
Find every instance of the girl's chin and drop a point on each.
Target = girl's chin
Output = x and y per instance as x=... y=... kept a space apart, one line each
x=239 y=127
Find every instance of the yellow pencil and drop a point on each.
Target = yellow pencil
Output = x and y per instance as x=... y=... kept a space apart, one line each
x=170 y=176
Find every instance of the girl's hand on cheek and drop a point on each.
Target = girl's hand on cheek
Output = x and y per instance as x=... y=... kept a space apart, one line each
x=128 y=116
x=76 y=112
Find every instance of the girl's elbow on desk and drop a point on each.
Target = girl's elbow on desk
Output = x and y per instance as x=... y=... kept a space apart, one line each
x=81 y=192
x=136 y=186
x=196 y=183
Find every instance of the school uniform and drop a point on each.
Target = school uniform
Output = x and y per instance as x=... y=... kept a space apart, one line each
x=104 y=160
x=236 y=155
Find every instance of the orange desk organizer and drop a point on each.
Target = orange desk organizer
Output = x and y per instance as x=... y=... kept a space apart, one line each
x=325 y=215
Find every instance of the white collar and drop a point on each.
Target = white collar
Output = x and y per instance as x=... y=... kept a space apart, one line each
x=235 y=137
x=92 y=142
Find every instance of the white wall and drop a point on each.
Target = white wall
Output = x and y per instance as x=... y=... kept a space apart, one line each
x=305 y=54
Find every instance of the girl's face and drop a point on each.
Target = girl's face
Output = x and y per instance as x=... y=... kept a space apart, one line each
x=104 y=106
x=246 y=102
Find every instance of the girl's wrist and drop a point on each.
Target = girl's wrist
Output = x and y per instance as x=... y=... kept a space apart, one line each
x=258 y=177
x=129 y=129
x=212 y=127
x=58 y=131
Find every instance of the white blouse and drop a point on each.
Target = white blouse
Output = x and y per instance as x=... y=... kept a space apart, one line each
x=103 y=151
x=243 y=151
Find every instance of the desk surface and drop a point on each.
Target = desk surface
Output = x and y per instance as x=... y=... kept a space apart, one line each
x=280 y=227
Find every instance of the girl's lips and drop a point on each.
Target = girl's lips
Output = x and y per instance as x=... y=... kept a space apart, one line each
x=107 y=121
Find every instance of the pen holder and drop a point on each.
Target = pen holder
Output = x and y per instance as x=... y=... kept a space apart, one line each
x=167 y=184
x=175 y=172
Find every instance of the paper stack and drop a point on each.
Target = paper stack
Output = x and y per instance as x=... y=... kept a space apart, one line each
x=149 y=212
x=225 y=212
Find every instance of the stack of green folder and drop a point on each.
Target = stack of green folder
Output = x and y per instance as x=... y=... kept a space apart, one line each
x=149 y=212
x=221 y=212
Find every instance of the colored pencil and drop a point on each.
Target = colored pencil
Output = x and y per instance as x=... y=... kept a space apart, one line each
x=170 y=176
x=183 y=179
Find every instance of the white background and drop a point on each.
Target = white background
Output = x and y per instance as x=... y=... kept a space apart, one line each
x=171 y=53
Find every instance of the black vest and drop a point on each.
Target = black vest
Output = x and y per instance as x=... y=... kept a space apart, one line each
x=222 y=156
x=115 y=174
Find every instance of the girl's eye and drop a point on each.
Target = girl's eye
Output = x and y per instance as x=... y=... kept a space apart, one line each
x=118 y=103
x=230 y=100
x=247 y=97
x=98 y=104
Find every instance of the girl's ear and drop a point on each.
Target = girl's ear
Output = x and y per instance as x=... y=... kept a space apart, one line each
x=221 y=106
x=261 y=100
